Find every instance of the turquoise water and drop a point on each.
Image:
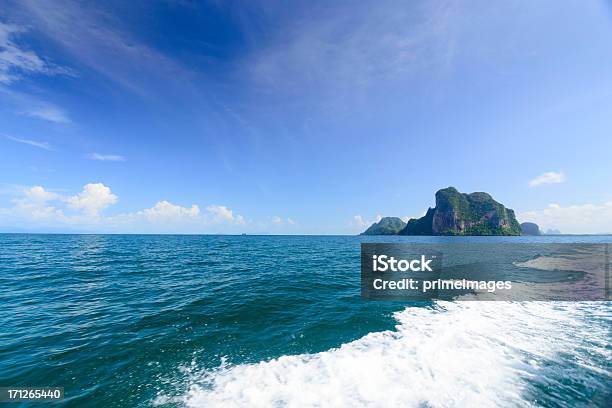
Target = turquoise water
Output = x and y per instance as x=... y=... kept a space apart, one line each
x=143 y=320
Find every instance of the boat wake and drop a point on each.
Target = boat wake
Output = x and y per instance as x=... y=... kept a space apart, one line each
x=448 y=354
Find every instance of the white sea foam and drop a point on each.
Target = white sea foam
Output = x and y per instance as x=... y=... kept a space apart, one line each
x=456 y=354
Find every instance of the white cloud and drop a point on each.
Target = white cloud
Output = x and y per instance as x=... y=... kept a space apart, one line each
x=94 y=198
x=32 y=205
x=360 y=221
x=106 y=157
x=346 y=50
x=550 y=177
x=16 y=61
x=32 y=106
x=165 y=211
x=98 y=40
x=40 y=145
x=38 y=209
x=279 y=221
x=338 y=54
x=39 y=194
x=573 y=219
x=34 y=197
x=223 y=214
x=47 y=112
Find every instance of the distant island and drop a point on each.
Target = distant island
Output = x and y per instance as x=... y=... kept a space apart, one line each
x=530 y=228
x=455 y=213
x=386 y=226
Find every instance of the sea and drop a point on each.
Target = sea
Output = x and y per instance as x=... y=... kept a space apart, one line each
x=278 y=321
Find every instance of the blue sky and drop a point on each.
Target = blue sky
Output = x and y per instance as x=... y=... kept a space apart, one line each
x=312 y=117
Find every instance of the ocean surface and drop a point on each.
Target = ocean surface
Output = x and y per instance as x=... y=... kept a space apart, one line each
x=204 y=321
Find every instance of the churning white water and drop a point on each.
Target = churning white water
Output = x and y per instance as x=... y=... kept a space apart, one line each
x=452 y=354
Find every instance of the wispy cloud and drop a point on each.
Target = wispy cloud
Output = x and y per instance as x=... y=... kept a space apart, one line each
x=551 y=177
x=16 y=61
x=47 y=112
x=40 y=145
x=359 y=221
x=33 y=106
x=106 y=157
x=279 y=221
x=342 y=52
x=99 y=40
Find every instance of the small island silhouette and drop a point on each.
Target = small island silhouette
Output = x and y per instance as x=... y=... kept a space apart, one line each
x=455 y=213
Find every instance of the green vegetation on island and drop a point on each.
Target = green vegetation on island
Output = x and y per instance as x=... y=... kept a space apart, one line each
x=530 y=228
x=386 y=226
x=458 y=213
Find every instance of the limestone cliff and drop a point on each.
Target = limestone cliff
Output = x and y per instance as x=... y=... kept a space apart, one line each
x=458 y=213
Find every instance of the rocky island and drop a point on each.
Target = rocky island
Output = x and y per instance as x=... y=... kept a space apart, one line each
x=530 y=228
x=386 y=226
x=457 y=213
